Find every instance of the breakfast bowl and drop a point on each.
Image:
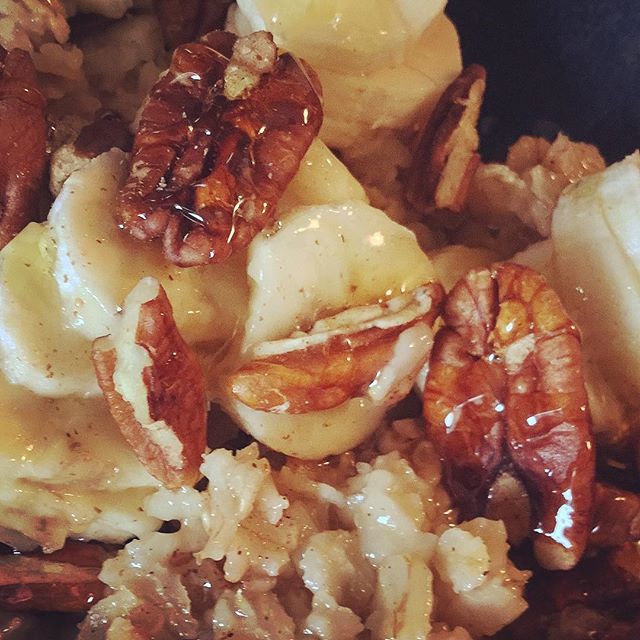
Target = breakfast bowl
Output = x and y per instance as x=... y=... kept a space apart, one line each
x=316 y=322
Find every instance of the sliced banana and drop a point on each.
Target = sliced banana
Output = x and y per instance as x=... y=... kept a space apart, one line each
x=97 y=263
x=324 y=259
x=596 y=241
x=65 y=468
x=37 y=348
x=348 y=35
x=321 y=178
x=391 y=95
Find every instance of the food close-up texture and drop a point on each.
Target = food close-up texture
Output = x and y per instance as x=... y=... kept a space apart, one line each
x=309 y=329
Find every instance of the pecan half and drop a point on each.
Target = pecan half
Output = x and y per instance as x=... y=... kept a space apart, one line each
x=446 y=158
x=23 y=142
x=185 y=20
x=154 y=387
x=207 y=171
x=41 y=584
x=336 y=360
x=616 y=517
x=506 y=384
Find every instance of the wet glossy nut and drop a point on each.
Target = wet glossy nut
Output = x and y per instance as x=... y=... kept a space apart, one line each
x=337 y=360
x=23 y=141
x=506 y=386
x=446 y=157
x=154 y=387
x=616 y=517
x=207 y=171
x=40 y=584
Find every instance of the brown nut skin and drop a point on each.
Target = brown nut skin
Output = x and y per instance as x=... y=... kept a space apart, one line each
x=505 y=384
x=446 y=157
x=23 y=143
x=42 y=584
x=616 y=517
x=175 y=394
x=325 y=375
x=207 y=172
x=108 y=130
x=185 y=20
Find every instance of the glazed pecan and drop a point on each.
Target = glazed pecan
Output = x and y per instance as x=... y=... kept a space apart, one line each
x=154 y=387
x=616 y=517
x=23 y=142
x=208 y=171
x=42 y=584
x=185 y=20
x=506 y=385
x=336 y=360
x=107 y=131
x=446 y=157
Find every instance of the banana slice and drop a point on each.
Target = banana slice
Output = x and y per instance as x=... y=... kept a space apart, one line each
x=352 y=35
x=97 y=263
x=74 y=477
x=324 y=259
x=596 y=240
x=321 y=179
x=37 y=349
x=392 y=95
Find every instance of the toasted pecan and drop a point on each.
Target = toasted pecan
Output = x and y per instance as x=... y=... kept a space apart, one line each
x=337 y=360
x=506 y=387
x=40 y=584
x=154 y=387
x=446 y=158
x=23 y=142
x=207 y=171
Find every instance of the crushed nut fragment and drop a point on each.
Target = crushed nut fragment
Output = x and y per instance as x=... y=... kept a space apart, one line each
x=252 y=57
x=529 y=185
